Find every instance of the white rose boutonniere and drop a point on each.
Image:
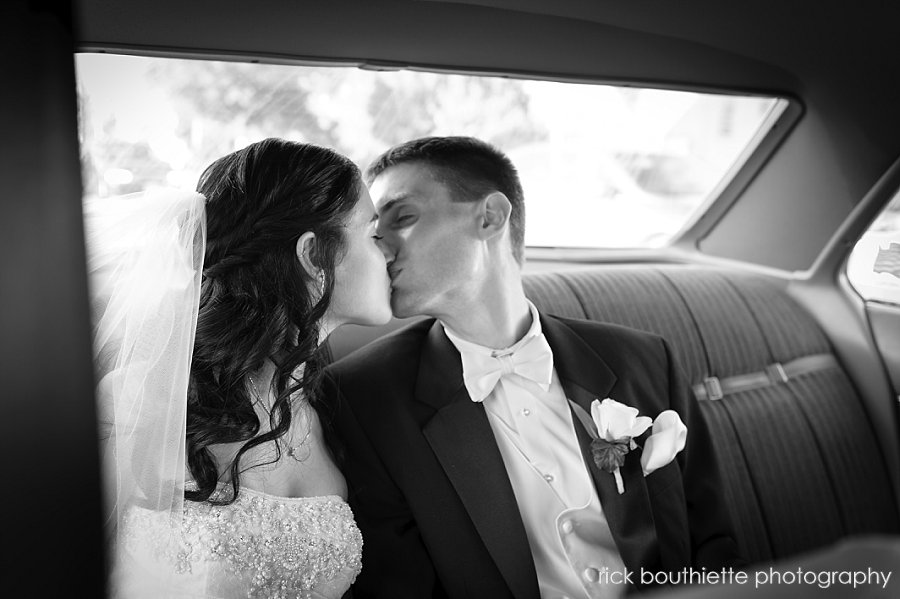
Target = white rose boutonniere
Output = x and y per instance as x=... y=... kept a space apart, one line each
x=613 y=427
x=617 y=425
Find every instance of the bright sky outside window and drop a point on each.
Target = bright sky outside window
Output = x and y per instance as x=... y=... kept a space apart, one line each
x=602 y=166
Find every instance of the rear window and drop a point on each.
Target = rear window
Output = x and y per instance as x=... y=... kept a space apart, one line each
x=602 y=166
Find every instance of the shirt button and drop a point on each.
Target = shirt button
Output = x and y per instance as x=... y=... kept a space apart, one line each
x=591 y=574
x=548 y=478
x=567 y=526
x=526 y=412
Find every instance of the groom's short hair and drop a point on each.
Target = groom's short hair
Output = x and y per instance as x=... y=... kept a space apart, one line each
x=470 y=168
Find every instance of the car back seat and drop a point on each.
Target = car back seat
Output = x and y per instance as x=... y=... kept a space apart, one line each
x=800 y=462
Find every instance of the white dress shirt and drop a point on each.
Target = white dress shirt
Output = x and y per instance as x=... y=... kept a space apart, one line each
x=573 y=549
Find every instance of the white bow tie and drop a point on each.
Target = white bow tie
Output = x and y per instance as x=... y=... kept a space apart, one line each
x=481 y=372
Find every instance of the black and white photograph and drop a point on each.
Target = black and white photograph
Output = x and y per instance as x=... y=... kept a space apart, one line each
x=450 y=299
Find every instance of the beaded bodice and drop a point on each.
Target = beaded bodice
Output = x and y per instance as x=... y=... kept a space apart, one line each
x=258 y=546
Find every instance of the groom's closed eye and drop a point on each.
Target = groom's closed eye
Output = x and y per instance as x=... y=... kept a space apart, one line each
x=404 y=219
x=397 y=212
x=398 y=217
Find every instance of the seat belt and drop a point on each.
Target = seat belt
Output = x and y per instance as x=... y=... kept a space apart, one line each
x=713 y=388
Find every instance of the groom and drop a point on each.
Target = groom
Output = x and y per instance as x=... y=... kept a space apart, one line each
x=468 y=435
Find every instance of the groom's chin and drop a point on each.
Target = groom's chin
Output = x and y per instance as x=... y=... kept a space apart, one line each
x=400 y=313
x=401 y=307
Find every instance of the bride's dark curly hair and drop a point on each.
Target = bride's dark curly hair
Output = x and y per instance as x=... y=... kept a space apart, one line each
x=255 y=300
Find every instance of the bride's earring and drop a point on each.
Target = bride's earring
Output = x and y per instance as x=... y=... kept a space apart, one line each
x=321 y=283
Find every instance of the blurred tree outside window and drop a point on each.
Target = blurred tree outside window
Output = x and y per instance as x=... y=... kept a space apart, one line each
x=601 y=166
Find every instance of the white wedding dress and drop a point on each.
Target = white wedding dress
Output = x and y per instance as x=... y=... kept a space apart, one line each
x=259 y=546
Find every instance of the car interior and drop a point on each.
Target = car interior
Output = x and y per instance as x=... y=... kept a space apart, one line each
x=794 y=358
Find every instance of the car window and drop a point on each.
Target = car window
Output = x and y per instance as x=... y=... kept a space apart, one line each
x=874 y=265
x=601 y=165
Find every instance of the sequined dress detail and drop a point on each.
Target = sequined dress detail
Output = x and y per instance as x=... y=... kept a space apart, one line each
x=259 y=546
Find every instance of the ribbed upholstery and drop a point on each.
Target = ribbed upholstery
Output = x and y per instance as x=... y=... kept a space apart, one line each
x=800 y=461
x=832 y=409
x=640 y=299
x=741 y=492
x=733 y=342
x=786 y=472
x=789 y=332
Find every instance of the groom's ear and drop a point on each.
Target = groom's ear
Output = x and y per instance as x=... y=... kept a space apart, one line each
x=496 y=209
x=306 y=254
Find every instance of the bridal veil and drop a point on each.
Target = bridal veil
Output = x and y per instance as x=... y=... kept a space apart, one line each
x=145 y=259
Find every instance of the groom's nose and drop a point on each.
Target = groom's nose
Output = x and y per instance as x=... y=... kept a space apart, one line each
x=385 y=250
x=388 y=241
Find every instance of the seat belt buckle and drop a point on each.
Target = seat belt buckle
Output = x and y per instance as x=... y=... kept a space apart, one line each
x=713 y=388
x=776 y=373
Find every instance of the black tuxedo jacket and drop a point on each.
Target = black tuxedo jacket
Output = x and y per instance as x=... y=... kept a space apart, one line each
x=430 y=491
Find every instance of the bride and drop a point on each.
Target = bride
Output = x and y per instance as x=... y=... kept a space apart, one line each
x=209 y=311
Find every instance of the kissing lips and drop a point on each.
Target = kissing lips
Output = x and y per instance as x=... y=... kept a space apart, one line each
x=393 y=272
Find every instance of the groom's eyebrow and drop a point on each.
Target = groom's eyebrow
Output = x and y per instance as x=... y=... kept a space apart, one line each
x=392 y=202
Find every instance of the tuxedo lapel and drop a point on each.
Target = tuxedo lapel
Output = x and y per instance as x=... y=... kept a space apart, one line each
x=585 y=377
x=461 y=437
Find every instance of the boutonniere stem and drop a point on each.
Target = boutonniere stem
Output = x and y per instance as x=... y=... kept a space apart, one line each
x=611 y=457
